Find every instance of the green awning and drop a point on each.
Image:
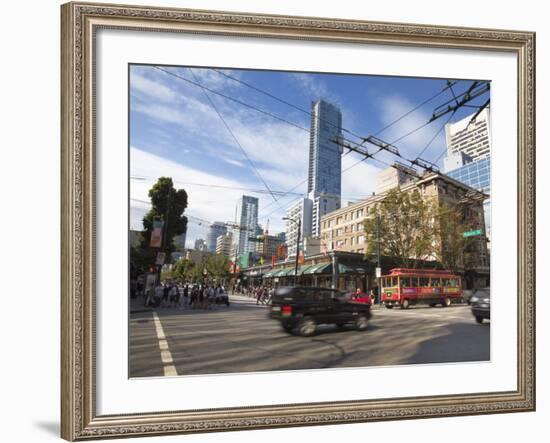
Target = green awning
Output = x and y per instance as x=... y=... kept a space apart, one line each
x=270 y=273
x=303 y=269
x=321 y=268
x=285 y=272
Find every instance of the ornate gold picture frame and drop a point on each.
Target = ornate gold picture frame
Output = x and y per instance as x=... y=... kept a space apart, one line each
x=80 y=23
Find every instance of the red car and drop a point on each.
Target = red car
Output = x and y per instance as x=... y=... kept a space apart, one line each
x=359 y=297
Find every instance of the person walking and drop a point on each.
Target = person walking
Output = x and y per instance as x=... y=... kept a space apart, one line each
x=185 y=299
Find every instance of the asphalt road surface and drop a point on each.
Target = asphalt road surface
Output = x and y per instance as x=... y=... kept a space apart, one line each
x=240 y=338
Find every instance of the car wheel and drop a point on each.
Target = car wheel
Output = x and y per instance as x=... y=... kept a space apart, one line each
x=286 y=328
x=389 y=306
x=432 y=305
x=479 y=319
x=446 y=302
x=306 y=327
x=361 y=322
x=405 y=304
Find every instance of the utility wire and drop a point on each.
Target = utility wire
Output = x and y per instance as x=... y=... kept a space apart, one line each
x=204 y=88
x=213 y=105
x=435 y=136
x=257 y=191
x=285 y=102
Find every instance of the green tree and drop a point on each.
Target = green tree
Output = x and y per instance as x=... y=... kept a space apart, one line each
x=217 y=266
x=406 y=228
x=182 y=269
x=450 y=245
x=168 y=205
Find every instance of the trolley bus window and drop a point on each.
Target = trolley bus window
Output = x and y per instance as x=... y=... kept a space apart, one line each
x=424 y=282
x=394 y=282
x=435 y=282
x=405 y=282
x=445 y=282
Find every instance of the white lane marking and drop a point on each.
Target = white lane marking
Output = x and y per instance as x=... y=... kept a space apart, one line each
x=165 y=354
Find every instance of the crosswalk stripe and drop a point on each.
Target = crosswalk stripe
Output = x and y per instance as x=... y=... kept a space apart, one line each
x=165 y=354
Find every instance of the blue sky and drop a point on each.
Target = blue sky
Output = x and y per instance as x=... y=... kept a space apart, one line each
x=175 y=131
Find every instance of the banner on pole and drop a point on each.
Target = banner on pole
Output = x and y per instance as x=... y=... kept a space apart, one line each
x=156 y=234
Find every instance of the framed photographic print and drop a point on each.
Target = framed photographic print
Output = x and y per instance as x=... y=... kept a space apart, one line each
x=277 y=221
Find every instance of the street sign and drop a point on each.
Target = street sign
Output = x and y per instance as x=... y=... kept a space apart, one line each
x=471 y=233
x=378 y=272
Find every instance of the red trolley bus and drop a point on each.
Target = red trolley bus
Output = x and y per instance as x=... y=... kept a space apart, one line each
x=404 y=287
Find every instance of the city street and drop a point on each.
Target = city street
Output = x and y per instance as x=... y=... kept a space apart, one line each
x=241 y=338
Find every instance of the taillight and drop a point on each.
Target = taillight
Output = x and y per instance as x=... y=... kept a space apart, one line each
x=286 y=311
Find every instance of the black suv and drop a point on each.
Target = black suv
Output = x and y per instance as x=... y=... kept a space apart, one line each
x=300 y=309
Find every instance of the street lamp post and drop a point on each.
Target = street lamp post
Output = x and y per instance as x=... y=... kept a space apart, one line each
x=299 y=223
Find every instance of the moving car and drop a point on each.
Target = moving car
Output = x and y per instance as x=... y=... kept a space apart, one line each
x=300 y=309
x=480 y=302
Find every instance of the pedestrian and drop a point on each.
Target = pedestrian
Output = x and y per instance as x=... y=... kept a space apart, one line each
x=185 y=296
x=159 y=292
x=259 y=294
x=201 y=297
x=174 y=296
x=165 y=294
x=210 y=297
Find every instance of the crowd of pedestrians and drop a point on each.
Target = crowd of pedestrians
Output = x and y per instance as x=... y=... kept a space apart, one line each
x=262 y=294
x=187 y=296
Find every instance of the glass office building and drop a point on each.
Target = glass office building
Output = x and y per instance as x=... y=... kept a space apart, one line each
x=247 y=222
x=477 y=174
x=325 y=156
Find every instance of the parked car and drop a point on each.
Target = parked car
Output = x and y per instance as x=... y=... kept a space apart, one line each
x=480 y=301
x=300 y=309
x=359 y=297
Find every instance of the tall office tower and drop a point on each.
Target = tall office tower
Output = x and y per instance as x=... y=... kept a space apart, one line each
x=472 y=136
x=223 y=244
x=214 y=231
x=477 y=175
x=300 y=211
x=322 y=205
x=246 y=218
x=325 y=156
x=325 y=161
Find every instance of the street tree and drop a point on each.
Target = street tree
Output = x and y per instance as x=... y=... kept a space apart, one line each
x=218 y=266
x=182 y=270
x=450 y=246
x=167 y=205
x=403 y=223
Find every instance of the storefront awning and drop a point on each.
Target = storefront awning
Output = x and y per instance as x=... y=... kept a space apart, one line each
x=271 y=273
x=321 y=268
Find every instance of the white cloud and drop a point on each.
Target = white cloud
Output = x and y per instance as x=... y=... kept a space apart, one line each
x=394 y=107
x=151 y=88
x=204 y=202
x=360 y=180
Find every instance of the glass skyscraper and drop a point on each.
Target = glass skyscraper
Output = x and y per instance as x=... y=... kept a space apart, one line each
x=247 y=221
x=477 y=174
x=325 y=162
x=214 y=231
x=325 y=156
